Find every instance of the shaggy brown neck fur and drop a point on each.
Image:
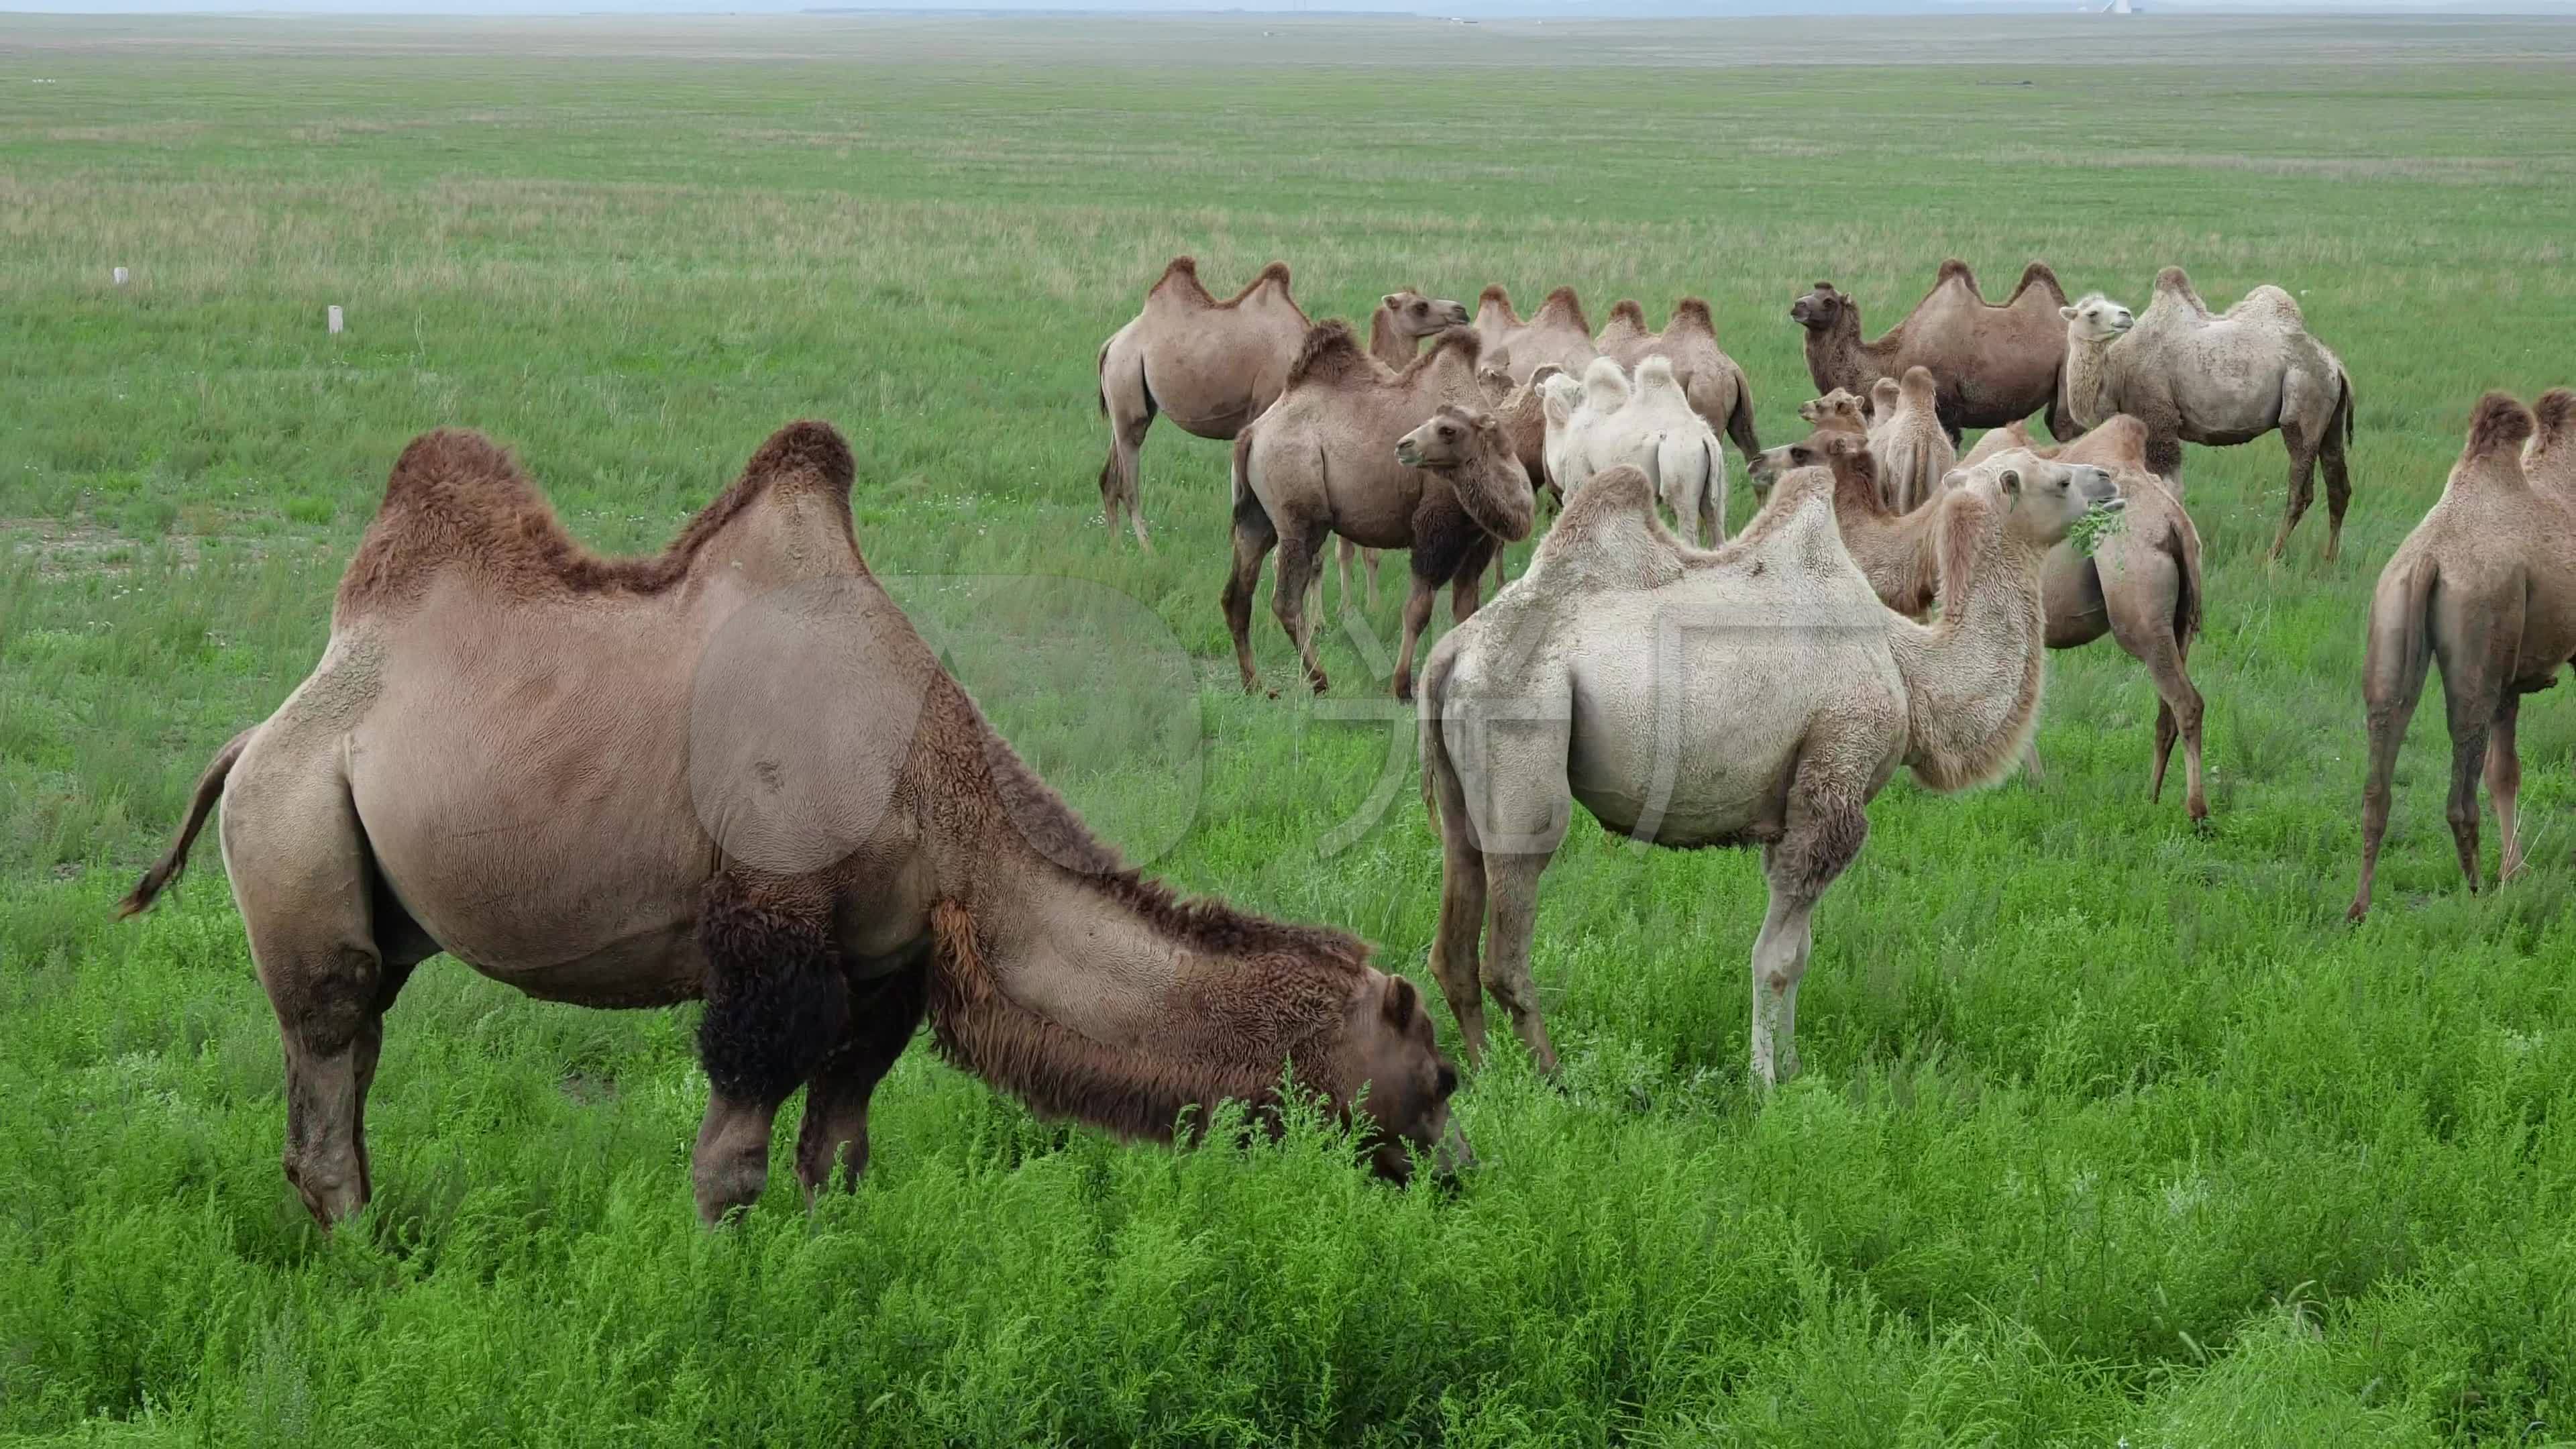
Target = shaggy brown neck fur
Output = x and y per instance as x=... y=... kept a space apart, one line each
x=1239 y=996
x=1972 y=680
x=1900 y=553
x=457 y=499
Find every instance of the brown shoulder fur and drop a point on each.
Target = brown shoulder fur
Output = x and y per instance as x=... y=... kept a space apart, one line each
x=1331 y=354
x=456 y=497
x=2501 y=423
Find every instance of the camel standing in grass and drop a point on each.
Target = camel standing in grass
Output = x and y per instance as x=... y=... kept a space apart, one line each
x=2486 y=587
x=1396 y=330
x=1322 y=461
x=734 y=772
x=1913 y=452
x=1651 y=426
x=2195 y=377
x=1711 y=380
x=1757 y=694
x=2141 y=585
x=1995 y=363
x=1213 y=366
x=1557 y=333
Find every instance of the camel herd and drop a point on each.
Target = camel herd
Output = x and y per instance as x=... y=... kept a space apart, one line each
x=734 y=772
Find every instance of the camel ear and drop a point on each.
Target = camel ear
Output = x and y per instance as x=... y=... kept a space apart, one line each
x=2009 y=480
x=1387 y=301
x=2066 y=312
x=1402 y=1002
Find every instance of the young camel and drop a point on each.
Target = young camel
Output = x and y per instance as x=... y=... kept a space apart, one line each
x=2486 y=587
x=1995 y=362
x=1758 y=694
x=733 y=772
x=1213 y=366
x=1711 y=380
x=1323 y=461
x=2219 y=380
x=2141 y=585
x=1396 y=330
x=1557 y=333
x=1913 y=452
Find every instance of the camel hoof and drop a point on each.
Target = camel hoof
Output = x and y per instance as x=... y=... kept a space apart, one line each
x=2359 y=909
x=1319 y=682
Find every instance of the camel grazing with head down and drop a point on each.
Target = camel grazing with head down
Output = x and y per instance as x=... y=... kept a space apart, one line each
x=734 y=772
x=1556 y=333
x=2486 y=587
x=1757 y=694
x=1711 y=380
x=1213 y=366
x=1995 y=363
x=2141 y=584
x=1323 y=461
x=1651 y=426
x=2195 y=377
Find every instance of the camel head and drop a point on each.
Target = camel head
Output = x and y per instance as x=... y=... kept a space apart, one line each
x=1417 y=316
x=2044 y=498
x=1836 y=411
x=1884 y=395
x=1388 y=1054
x=1561 y=395
x=1452 y=437
x=1820 y=310
x=2096 y=320
x=1834 y=448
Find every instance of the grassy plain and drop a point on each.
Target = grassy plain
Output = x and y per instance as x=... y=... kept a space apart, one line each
x=2110 y=1132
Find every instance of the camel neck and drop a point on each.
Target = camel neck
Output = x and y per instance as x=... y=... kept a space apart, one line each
x=1972 y=678
x=1386 y=344
x=2087 y=373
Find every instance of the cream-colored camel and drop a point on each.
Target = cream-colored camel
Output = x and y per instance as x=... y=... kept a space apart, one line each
x=1758 y=694
x=1710 y=379
x=1995 y=363
x=1213 y=366
x=1322 y=461
x=2486 y=587
x=1913 y=452
x=1651 y=426
x=2193 y=377
x=732 y=772
x=1558 y=333
x=2141 y=584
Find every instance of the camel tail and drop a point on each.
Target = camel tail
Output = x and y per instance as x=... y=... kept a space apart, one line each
x=1739 y=423
x=1242 y=470
x=210 y=788
x=2347 y=407
x=1100 y=375
x=2187 y=609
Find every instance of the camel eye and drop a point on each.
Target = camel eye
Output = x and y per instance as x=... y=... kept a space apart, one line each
x=1419 y=309
x=1448 y=434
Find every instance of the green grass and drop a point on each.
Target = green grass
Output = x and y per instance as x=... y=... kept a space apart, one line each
x=2109 y=1130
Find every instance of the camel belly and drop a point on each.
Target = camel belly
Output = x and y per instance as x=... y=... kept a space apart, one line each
x=1702 y=758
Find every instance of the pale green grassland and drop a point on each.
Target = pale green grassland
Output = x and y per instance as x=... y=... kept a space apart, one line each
x=2109 y=1129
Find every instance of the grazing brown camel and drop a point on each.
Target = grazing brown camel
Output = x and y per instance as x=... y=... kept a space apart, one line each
x=1711 y=380
x=2197 y=377
x=734 y=772
x=1757 y=694
x=1557 y=333
x=1322 y=461
x=2141 y=585
x=2486 y=587
x=1995 y=363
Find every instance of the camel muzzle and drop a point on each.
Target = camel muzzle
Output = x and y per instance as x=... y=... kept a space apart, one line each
x=2095 y=487
x=1407 y=453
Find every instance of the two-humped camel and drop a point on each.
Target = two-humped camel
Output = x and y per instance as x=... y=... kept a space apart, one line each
x=1711 y=380
x=1651 y=426
x=1995 y=363
x=1757 y=694
x=2486 y=587
x=1322 y=461
x=733 y=772
x=1556 y=333
x=2195 y=377
x=1212 y=366
x=1396 y=331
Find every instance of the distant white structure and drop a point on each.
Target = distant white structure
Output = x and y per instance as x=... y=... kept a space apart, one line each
x=2115 y=7
x=333 y=321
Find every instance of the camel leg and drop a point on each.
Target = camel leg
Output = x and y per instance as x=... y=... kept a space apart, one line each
x=777 y=1003
x=304 y=880
x=2389 y=701
x=2473 y=713
x=2303 y=482
x=2338 y=486
x=1512 y=906
x=1131 y=412
x=2030 y=760
x=1467 y=586
x=1825 y=829
x=1254 y=537
x=1463 y=900
x=1368 y=563
x=832 y=1145
x=2504 y=783
x=1300 y=558
x=2143 y=601
x=1417 y=617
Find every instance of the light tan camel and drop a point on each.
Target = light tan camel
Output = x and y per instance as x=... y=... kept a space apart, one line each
x=2141 y=585
x=1404 y=319
x=1995 y=363
x=1557 y=333
x=1323 y=461
x=1913 y=452
x=2486 y=587
x=2192 y=377
x=1884 y=395
x=1652 y=426
x=1711 y=380
x=1758 y=694
x=733 y=772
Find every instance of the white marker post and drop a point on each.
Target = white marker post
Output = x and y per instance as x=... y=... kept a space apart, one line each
x=335 y=321
x=120 y=276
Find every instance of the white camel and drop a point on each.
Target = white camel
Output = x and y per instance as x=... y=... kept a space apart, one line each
x=1652 y=427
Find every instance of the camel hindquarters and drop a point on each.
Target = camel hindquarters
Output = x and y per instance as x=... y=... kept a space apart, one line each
x=2151 y=599
x=2315 y=424
x=1129 y=406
